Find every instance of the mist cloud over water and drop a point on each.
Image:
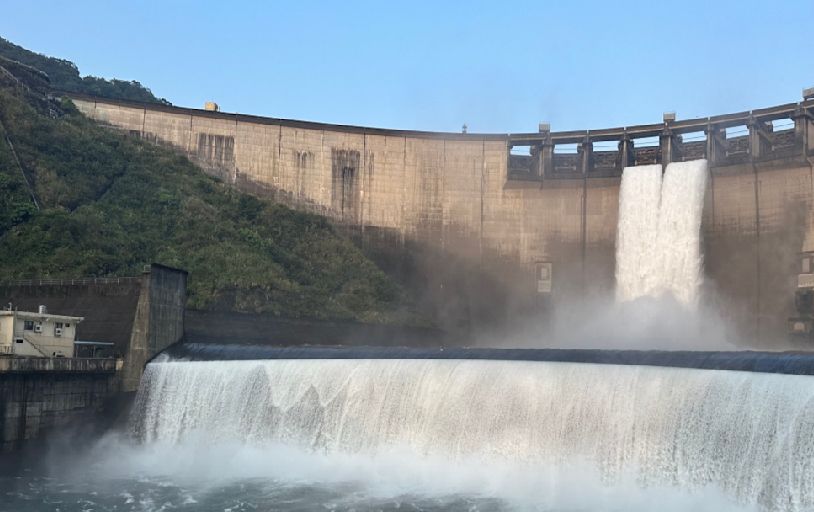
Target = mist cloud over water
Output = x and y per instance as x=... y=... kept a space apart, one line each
x=661 y=300
x=531 y=435
x=646 y=323
x=197 y=474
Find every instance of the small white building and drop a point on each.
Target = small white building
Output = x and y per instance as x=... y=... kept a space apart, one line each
x=37 y=334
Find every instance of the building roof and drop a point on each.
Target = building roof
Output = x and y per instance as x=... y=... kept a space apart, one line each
x=43 y=316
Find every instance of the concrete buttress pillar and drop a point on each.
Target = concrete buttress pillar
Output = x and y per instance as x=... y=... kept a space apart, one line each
x=759 y=143
x=668 y=145
x=716 y=145
x=625 y=152
x=586 y=148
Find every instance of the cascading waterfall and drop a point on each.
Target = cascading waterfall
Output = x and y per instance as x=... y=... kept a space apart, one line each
x=747 y=435
x=636 y=256
x=679 y=231
x=744 y=433
x=658 y=245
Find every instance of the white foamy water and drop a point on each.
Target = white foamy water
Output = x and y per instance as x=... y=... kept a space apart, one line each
x=637 y=268
x=746 y=436
x=679 y=231
x=658 y=245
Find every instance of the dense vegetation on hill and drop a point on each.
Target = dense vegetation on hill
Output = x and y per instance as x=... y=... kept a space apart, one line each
x=64 y=76
x=109 y=204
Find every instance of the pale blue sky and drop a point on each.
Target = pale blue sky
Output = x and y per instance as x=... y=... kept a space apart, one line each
x=435 y=65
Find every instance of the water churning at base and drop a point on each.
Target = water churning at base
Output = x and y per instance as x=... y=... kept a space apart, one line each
x=658 y=241
x=746 y=434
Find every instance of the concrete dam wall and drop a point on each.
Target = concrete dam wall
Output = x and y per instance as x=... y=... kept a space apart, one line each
x=479 y=214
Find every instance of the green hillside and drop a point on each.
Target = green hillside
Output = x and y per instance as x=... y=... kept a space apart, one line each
x=109 y=204
x=64 y=76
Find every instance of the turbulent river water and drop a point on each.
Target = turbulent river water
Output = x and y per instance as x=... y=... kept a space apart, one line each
x=443 y=435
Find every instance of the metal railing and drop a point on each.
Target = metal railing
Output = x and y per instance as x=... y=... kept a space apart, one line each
x=59 y=364
x=69 y=282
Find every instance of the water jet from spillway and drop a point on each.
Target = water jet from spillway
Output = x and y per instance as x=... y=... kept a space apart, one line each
x=658 y=243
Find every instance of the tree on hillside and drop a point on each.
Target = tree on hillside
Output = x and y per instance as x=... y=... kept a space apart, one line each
x=64 y=76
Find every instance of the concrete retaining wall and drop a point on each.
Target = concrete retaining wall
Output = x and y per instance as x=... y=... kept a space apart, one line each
x=158 y=322
x=37 y=399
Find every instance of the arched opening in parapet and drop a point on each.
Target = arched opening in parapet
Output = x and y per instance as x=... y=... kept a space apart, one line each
x=646 y=150
x=782 y=134
x=737 y=140
x=567 y=159
x=691 y=146
x=606 y=158
x=524 y=161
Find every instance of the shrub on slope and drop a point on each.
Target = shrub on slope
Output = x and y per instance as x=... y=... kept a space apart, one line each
x=111 y=204
x=64 y=76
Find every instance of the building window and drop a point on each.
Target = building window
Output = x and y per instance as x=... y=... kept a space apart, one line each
x=18 y=340
x=28 y=325
x=67 y=325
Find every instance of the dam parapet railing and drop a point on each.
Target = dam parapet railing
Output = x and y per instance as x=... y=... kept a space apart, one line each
x=784 y=132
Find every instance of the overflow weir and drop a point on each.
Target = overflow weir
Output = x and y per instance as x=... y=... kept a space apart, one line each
x=745 y=435
x=790 y=363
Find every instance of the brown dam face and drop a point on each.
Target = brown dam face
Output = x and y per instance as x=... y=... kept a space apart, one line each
x=475 y=214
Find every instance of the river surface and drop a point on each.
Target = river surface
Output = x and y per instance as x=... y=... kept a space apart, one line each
x=40 y=493
x=118 y=474
x=91 y=490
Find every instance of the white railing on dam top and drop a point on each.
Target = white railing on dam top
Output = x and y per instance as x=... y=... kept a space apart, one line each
x=70 y=282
